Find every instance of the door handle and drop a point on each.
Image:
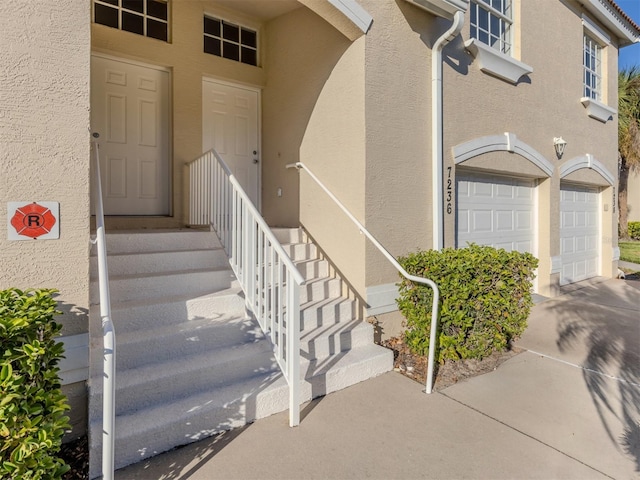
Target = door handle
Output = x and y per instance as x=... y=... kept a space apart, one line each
x=255 y=160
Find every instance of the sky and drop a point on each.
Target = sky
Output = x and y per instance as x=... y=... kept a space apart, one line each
x=630 y=55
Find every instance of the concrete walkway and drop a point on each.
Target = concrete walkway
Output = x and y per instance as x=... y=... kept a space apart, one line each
x=567 y=408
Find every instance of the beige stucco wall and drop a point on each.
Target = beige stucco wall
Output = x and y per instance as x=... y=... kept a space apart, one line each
x=189 y=64
x=398 y=102
x=44 y=156
x=633 y=197
x=544 y=105
x=313 y=112
x=44 y=146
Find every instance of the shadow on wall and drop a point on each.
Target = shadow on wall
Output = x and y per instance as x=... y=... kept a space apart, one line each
x=612 y=344
x=74 y=366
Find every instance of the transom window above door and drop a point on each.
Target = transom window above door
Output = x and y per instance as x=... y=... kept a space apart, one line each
x=228 y=40
x=491 y=22
x=149 y=18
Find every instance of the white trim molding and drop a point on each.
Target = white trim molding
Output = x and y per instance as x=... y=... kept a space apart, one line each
x=382 y=299
x=586 y=161
x=606 y=14
x=496 y=63
x=354 y=12
x=595 y=31
x=508 y=142
x=616 y=254
x=556 y=264
x=74 y=367
x=442 y=8
x=598 y=110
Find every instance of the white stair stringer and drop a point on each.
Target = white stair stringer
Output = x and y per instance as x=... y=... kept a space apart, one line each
x=189 y=362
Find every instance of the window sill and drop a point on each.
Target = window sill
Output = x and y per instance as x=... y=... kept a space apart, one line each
x=496 y=63
x=598 y=110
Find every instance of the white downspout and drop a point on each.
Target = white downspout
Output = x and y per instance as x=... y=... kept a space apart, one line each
x=436 y=128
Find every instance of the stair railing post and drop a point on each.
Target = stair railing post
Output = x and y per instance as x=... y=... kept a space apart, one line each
x=293 y=360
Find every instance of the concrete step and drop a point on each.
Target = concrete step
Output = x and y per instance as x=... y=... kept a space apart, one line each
x=144 y=314
x=301 y=251
x=162 y=427
x=313 y=268
x=176 y=341
x=127 y=241
x=322 y=313
x=336 y=338
x=288 y=235
x=158 y=285
x=170 y=381
x=320 y=289
x=166 y=261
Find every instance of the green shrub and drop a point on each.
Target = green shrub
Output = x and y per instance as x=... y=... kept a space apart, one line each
x=32 y=406
x=485 y=298
x=634 y=230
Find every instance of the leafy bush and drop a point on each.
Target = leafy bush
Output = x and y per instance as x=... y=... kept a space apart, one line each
x=32 y=406
x=634 y=230
x=485 y=299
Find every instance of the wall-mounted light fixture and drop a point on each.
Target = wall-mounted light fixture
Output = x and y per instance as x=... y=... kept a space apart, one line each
x=559 y=143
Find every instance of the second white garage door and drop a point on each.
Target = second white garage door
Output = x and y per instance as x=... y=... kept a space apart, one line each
x=579 y=233
x=496 y=211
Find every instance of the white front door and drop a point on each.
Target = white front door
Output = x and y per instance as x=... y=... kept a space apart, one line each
x=130 y=111
x=230 y=125
x=579 y=233
x=496 y=211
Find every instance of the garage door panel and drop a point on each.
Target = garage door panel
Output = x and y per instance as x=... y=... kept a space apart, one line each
x=482 y=189
x=496 y=211
x=504 y=221
x=504 y=191
x=579 y=233
x=524 y=221
x=482 y=221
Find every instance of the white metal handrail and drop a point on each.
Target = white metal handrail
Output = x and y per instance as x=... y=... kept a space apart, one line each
x=270 y=280
x=108 y=332
x=398 y=267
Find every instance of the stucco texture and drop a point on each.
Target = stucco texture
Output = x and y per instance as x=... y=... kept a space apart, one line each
x=44 y=146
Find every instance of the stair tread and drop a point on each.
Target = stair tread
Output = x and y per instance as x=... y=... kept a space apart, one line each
x=128 y=304
x=162 y=252
x=129 y=276
x=153 y=372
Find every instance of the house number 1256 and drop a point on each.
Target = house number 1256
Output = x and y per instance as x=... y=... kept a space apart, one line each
x=449 y=193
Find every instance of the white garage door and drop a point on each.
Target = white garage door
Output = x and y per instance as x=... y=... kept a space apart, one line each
x=496 y=211
x=579 y=233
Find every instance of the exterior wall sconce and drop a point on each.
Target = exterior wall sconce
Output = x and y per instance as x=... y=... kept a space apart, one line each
x=559 y=144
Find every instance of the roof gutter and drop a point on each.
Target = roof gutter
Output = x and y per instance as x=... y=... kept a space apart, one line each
x=437 y=128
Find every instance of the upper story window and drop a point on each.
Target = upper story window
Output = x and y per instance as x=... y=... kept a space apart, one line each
x=592 y=68
x=144 y=17
x=491 y=23
x=228 y=40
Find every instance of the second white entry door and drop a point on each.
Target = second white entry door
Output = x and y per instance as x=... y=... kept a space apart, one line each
x=230 y=125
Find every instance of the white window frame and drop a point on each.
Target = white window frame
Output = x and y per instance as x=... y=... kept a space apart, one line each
x=499 y=31
x=594 y=40
x=144 y=15
x=591 y=68
x=239 y=44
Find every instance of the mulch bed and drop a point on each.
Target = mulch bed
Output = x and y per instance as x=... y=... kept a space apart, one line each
x=76 y=455
x=447 y=374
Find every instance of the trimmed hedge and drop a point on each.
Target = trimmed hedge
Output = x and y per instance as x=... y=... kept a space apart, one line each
x=32 y=406
x=485 y=299
x=634 y=230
